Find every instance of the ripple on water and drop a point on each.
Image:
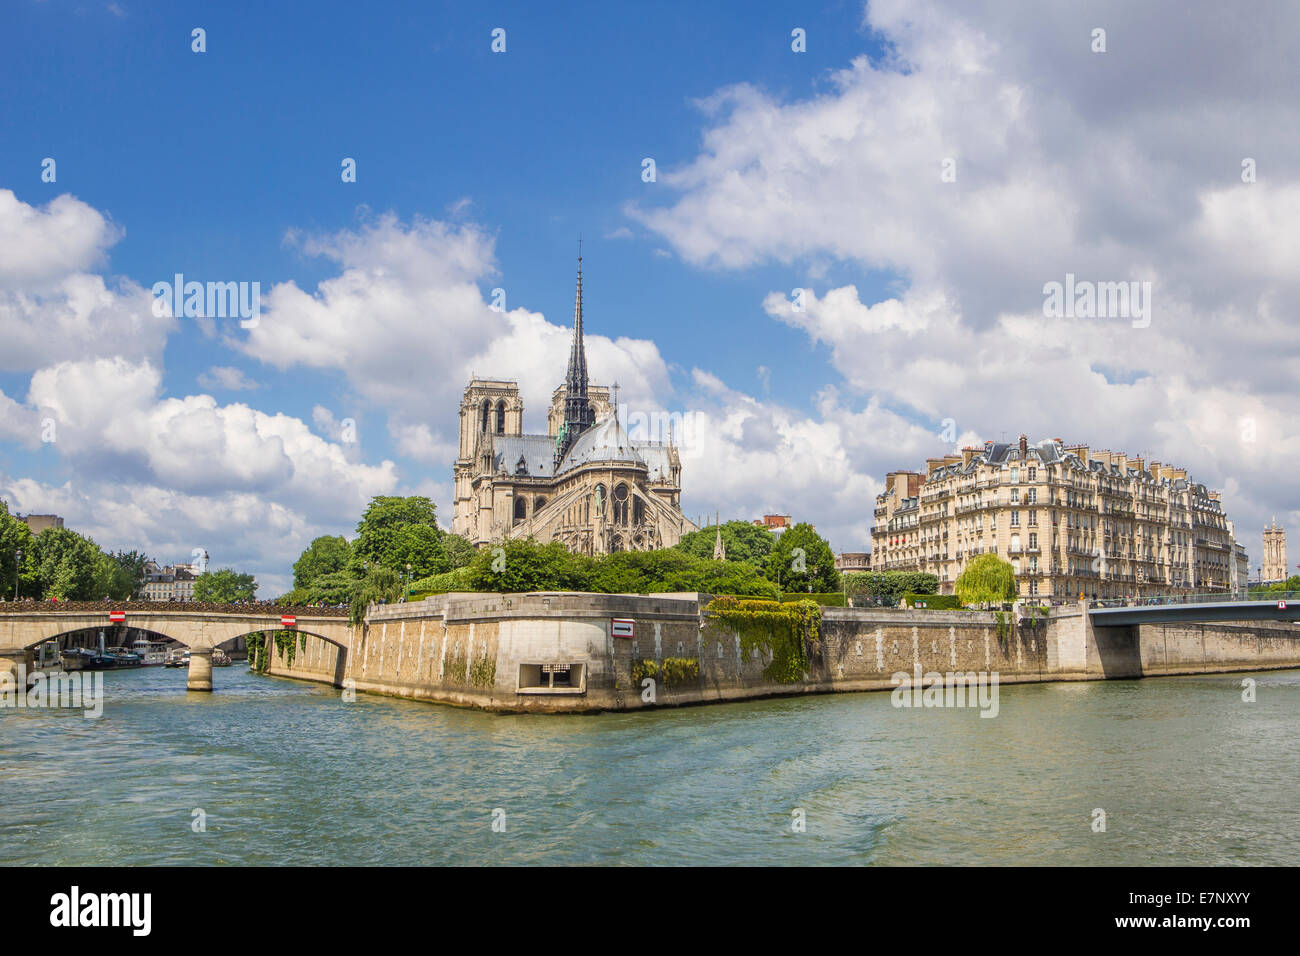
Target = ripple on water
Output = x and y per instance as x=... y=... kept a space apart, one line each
x=288 y=773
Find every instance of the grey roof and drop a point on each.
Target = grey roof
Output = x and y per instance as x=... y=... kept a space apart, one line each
x=538 y=452
x=605 y=441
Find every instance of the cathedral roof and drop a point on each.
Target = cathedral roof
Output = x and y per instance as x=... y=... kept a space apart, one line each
x=538 y=452
x=605 y=441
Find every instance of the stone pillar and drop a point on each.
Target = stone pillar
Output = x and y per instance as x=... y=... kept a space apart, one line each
x=9 y=662
x=200 y=677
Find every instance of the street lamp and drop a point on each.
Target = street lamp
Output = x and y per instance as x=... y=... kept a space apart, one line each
x=406 y=594
x=18 y=560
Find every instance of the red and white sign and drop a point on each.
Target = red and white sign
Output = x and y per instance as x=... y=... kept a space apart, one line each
x=117 y=617
x=288 y=620
x=1281 y=605
x=622 y=627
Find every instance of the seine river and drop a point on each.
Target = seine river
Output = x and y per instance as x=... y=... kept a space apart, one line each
x=288 y=773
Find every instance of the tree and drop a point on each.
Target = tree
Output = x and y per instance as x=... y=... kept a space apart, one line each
x=743 y=542
x=66 y=565
x=887 y=587
x=394 y=532
x=224 y=587
x=328 y=554
x=15 y=537
x=457 y=550
x=525 y=565
x=379 y=586
x=131 y=580
x=986 y=580
x=801 y=560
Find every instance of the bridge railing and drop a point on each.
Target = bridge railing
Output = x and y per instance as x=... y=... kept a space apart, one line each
x=1214 y=597
x=256 y=608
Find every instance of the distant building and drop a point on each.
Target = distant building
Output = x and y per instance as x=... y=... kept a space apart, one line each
x=1071 y=520
x=38 y=523
x=174 y=582
x=853 y=561
x=775 y=523
x=1274 y=566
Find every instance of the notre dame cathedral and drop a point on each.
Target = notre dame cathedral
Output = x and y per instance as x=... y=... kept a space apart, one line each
x=584 y=483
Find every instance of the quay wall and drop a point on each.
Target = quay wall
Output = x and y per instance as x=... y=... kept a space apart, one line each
x=492 y=650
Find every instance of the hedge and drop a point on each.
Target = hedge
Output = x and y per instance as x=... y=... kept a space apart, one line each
x=826 y=599
x=934 y=602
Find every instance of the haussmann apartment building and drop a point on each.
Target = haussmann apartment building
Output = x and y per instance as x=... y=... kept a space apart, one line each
x=1072 y=521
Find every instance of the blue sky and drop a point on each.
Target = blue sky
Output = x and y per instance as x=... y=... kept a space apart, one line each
x=777 y=170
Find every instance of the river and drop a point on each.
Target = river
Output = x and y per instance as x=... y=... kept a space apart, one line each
x=285 y=772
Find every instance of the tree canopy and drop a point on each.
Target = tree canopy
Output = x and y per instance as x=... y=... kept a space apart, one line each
x=224 y=586
x=887 y=587
x=801 y=560
x=743 y=542
x=987 y=579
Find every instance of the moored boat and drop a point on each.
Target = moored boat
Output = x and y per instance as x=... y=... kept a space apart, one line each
x=178 y=657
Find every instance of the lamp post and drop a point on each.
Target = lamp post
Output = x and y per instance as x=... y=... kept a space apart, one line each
x=18 y=560
x=406 y=593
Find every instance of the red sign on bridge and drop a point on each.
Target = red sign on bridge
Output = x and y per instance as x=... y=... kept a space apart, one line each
x=288 y=620
x=117 y=617
x=1281 y=605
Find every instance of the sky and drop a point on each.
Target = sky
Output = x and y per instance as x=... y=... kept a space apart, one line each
x=823 y=234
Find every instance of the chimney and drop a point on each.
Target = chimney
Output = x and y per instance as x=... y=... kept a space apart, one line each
x=1155 y=470
x=1081 y=451
x=1024 y=445
x=931 y=464
x=951 y=459
x=1121 y=459
x=1140 y=466
x=967 y=454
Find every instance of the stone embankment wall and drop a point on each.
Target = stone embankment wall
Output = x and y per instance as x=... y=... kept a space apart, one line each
x=498 y=651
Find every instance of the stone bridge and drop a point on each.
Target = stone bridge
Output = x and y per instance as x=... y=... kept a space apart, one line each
x=201 y=627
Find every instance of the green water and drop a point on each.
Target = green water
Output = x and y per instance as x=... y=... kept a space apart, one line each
x=288 y=772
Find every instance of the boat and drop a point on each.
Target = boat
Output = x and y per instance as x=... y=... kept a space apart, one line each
x=177 y=657
x=220 y=658
x=114 y=658
x=152 y=653
x=76 y=658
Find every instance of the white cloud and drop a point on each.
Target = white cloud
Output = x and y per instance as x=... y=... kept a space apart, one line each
x=227 y=377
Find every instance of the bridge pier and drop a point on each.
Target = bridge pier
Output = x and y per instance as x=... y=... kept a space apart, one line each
x=200 y=673
x=9 y=662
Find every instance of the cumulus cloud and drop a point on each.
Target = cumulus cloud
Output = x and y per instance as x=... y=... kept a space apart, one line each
x=227 y=377
x=992 y=152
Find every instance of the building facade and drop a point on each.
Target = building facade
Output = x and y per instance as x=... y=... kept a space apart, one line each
x=584 y=483
x=38 y=523
x=173 y=582
x=1274 y=567
x=853 y=561
x=1071 y=520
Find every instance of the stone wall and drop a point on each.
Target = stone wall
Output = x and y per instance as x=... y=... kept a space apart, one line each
x=492 y=651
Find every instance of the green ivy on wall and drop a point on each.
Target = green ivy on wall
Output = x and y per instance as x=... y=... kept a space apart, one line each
x=643 y=668
x=783 y=630
x=680 y=670
x=483 y=672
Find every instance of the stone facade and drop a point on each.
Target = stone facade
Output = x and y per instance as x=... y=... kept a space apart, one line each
x=585 y=483
x=1274 y=567
x=1072 y=521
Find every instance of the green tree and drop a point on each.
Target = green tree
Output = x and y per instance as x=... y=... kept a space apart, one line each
x=394 y=532
x=381 y=585
x=224 y=586
x=15 y=537
x=802 y=560
x=66 y=565
x=131 y=581
x=457 y=550
x=525 y=565
x=743 y=542
x=987 y=579
x=888 y=587
x=328 y=554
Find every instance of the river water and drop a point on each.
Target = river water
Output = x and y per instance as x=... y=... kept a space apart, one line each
x=289 y=773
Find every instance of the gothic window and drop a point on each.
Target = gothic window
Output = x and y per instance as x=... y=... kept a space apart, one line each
x=501 y=418
x=521 y=509
x=487 y=414
x=539 y=504
x=620 y=504
x=600 y=501
x=638 y=511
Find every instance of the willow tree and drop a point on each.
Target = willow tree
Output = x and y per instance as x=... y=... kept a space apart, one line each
x=380 y=585
x=986 y=580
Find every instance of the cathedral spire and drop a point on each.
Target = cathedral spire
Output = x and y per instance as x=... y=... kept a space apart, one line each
x=578 y=413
